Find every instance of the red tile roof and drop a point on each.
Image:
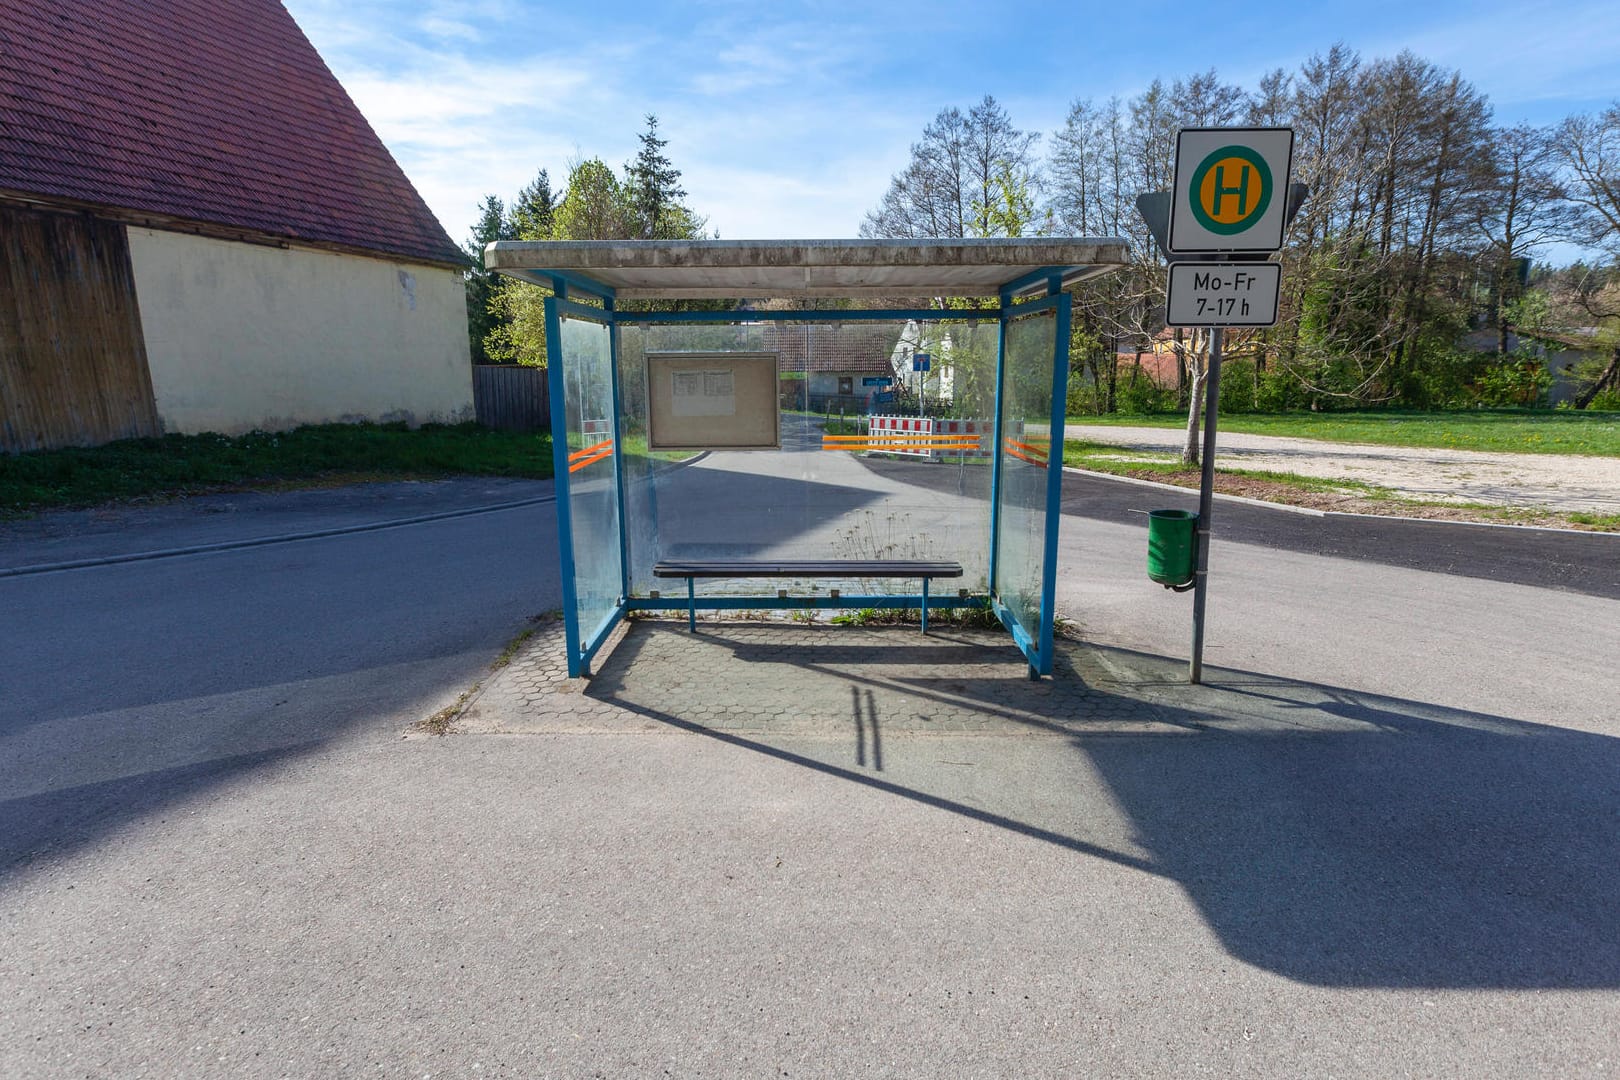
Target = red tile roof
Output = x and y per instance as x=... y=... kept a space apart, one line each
x=858 y=347
x=210 y=111
x=1162 y=368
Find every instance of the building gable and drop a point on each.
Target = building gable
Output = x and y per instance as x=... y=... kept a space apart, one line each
x=217 y=112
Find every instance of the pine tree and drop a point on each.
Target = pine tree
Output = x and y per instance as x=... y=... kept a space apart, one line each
x=655 y=191
x=492 y=224
x=533 y=210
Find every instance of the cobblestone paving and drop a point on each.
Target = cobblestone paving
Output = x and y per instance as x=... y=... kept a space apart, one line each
x=793 y=679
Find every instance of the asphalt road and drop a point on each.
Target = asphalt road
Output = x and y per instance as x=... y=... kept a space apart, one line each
x=1583 y=562
x=220 y=857
x=130 y=685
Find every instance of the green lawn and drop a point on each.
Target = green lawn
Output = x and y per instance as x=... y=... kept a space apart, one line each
x=1542 y=431
x=187 y=464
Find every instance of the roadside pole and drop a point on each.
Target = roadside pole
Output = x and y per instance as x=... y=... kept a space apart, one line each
x=1206 y=505
x=1224 y=217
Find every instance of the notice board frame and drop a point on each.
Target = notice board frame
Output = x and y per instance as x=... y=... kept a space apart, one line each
x=752 y=421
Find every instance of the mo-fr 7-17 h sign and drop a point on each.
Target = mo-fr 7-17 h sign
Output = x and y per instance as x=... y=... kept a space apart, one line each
x=1223 y=294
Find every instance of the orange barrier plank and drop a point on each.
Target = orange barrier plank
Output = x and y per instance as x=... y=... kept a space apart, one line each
x=1025 y=457
x=605 y=444
x=582 y=462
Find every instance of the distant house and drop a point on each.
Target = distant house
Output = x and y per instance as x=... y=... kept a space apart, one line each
x=1156 y=359
x=1559 y=350
x=936 y=384
x=200 y=232
x=831 y=362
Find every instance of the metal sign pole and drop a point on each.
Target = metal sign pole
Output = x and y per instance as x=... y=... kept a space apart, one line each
x=1218 y=237
x=1206 y=502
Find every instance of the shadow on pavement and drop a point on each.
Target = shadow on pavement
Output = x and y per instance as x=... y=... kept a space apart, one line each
x=1347 y=839
x=52 y=823
x=1336 y=838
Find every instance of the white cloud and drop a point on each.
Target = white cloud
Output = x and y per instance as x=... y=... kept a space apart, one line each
x=1535 y=62
x=449 y=29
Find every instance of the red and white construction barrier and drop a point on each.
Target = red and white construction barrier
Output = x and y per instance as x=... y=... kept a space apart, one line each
x=937 y=428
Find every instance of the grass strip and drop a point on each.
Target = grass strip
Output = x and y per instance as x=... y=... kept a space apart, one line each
x=1518 y=431
x=177 y=465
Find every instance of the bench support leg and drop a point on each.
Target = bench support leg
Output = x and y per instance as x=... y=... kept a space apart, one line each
x=925 y=606
x=691 y=605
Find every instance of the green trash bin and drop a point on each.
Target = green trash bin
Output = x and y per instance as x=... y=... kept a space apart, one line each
x=1171 y=541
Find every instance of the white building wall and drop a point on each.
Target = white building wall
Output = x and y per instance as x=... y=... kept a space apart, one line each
x=242 y=336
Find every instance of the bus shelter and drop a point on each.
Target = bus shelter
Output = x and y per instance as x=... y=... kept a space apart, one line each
x=829 y=425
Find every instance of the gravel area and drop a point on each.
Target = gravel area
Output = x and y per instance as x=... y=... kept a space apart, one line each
x=1561 y=482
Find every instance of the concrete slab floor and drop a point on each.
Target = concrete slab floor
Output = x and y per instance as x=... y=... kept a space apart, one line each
x=769 y=849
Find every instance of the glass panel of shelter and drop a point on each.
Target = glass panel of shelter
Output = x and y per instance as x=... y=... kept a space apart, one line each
x=815 y=497
x=1026 y=447
x=584 y=350
x=912 y=486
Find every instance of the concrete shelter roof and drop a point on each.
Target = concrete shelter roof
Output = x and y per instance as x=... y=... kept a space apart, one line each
x=733 y=269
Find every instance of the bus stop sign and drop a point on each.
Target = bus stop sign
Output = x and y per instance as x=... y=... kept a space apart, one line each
x=1230 y=189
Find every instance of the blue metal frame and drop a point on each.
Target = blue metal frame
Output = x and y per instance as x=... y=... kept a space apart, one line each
x=1037 y=647
x=562 y=281
x=575 y=310
x=582 y=648
x=743 y=318
x=765 y=603
x=996 y=457
x=1049 y=276
x=1054 y=478
x=618 y=458
x=557 y=382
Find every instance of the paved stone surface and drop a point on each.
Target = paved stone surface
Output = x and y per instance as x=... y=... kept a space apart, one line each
x=778 y=678
x=782 y=678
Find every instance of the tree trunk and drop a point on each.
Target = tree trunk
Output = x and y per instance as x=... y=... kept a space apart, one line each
x=1113 y=378
x=1190 y=451
x=1180 y=351
x=1609 y=378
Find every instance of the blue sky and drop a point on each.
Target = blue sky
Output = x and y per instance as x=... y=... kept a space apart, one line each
x=787 y=119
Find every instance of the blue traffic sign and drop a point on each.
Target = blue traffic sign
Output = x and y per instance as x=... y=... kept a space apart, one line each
x=920 y=361
x=877 y=380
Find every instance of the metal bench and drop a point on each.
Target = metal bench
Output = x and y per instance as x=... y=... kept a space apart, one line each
x=692 y=569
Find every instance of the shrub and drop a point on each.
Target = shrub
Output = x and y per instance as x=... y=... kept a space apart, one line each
x=1237 y=386
x=1139 y=395
x=1517 y=380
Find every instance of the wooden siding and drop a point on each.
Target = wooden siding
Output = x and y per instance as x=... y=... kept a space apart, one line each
x=511 y=397
x=72 y=359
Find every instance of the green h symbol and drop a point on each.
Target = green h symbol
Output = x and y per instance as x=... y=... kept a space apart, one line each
x=1221 y=190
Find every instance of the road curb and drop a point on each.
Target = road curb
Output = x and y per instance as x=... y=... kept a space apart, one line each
x=1306 y=510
